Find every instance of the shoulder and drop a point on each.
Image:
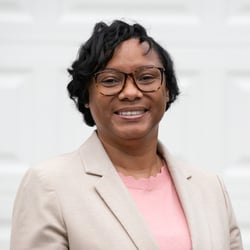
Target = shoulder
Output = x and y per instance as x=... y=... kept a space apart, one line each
x=183 y=170
x=65 y=164
x=176 y=162
x=54 y=171
x=58 y=163
x=67 y=168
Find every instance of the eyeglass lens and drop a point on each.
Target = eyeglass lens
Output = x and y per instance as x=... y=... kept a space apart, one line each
x=111 y=81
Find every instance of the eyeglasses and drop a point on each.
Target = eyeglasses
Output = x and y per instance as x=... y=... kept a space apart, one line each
x=112 y=81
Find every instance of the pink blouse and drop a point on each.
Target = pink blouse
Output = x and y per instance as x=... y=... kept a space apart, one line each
x=158 y=201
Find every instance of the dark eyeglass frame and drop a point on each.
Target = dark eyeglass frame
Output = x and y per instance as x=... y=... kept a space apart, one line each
x=132 y=75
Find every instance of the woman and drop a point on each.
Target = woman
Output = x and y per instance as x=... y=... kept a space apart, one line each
x=122 y=189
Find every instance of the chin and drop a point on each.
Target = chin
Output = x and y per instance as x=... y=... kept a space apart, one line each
x=135 y=133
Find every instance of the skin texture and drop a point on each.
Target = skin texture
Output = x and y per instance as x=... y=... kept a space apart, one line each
x=130 y=141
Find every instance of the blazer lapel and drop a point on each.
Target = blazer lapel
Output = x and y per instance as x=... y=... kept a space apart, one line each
x=119 y=202
x=114 y=194
x=192 y=202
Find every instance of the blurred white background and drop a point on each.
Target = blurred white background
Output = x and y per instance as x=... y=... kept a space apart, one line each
x=209 y=125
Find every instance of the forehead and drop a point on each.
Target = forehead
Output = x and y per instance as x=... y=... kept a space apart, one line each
x=131 y=53
x=132 y=44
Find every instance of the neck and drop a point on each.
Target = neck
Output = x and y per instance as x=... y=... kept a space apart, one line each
x=134 y=158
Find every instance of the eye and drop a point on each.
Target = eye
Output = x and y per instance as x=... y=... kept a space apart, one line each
x=109 y=80
x=146 y=78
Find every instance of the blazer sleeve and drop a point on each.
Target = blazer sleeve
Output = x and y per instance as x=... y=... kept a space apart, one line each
x=37 y=221
x=235 y=235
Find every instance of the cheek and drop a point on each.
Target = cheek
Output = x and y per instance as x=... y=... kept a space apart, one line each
x=93 y=98
x=93 y=102
x=96 y=113
x=98 y=105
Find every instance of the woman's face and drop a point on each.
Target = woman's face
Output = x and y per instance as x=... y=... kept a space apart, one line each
x=130 y=114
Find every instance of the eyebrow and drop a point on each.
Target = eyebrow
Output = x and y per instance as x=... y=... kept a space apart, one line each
x=143 y=66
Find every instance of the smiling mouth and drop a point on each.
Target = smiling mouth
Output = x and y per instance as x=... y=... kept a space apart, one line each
x=131 y=113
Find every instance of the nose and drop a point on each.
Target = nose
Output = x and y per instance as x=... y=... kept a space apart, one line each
x=130 y=91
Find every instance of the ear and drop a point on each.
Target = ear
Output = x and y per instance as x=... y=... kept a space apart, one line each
x=167 y=98
x=86 y=105
x=167 y=94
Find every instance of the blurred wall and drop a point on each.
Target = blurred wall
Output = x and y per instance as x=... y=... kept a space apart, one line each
x=208 y=126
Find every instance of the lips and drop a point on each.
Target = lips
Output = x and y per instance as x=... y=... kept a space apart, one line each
x=131 y=112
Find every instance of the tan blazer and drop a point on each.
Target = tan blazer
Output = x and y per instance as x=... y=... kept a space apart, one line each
x=78 y=201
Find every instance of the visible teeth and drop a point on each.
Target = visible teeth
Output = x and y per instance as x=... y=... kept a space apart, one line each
x=131 y=113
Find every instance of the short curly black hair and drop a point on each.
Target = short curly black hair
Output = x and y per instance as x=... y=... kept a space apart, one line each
x=95 y=54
